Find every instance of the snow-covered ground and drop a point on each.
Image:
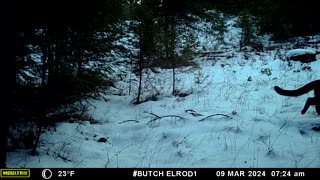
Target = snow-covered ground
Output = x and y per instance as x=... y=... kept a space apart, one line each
x=232 y=118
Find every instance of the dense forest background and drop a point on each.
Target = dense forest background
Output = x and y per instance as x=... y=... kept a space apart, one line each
x=60 y=53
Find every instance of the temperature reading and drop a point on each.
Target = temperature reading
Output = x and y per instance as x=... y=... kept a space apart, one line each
x=65 y=173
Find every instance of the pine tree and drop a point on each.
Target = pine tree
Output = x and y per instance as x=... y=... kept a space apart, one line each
x=67 y=38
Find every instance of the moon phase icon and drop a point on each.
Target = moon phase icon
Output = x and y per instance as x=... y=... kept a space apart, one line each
x=46 y=174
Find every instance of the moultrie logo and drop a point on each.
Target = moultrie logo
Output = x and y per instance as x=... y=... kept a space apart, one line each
x=15 y=173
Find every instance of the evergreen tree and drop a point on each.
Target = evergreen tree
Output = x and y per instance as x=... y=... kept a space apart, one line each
x=61 y=51
x=160 y=27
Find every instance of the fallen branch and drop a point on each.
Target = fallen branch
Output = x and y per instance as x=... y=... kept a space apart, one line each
x=131 y=120
x=160 y=117
x=283 y=124
x=153 y=114
x=214 y=115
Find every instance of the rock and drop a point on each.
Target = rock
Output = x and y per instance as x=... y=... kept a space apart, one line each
x=103 y=140
x=302 y=55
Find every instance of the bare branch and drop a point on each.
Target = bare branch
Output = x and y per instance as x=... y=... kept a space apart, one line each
x=130 y=120
x=214 y=115
x=153 y=114
x=160 y=117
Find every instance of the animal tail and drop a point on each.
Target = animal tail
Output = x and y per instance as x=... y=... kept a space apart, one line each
x=298 y=92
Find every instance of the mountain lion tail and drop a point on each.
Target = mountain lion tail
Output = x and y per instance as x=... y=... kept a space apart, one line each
x=298 y=92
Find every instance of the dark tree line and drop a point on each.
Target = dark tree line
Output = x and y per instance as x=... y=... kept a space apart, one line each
x=55 y=59
x=159 y=25
x=281 y=18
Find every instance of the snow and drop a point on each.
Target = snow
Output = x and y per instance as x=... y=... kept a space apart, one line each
x=238 y=120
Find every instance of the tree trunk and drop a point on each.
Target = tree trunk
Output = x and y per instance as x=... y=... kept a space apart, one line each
x=140 y=64
x=172 y=52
